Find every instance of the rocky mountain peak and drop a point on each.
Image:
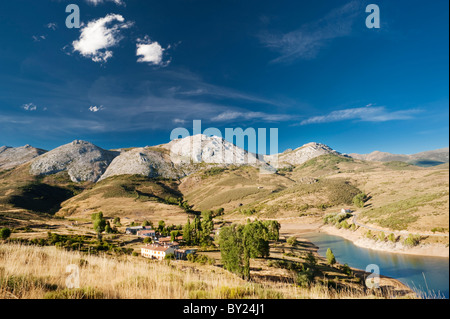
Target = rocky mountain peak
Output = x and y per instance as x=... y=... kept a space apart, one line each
x=82 y=160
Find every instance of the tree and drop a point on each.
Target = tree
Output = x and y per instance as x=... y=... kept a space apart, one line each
x=330 y=257
x=146 y=223
x=147 y=240
x=187 y=233
x=5 y=233
x=207 y=226
x=161 y=226
x=256 y=239
x=174 y=234
x=273 y=228
x=99 y=223
x=116 y=221
x=232 y=249
x=239 y=243
x=360 y=200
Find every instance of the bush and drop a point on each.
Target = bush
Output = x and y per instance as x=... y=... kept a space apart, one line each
x=304 y=278
x=5 y=233
x=347 y=270
x=382 y=237
x=412 y=240
x=292 y=241
x=392 y=238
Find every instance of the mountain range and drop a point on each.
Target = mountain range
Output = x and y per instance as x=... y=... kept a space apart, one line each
x=84 y=161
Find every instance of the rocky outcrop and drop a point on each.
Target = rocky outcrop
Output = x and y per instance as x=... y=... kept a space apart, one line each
x=301 y=154
x=11 y=157
x=82 y=160
x=143 y=161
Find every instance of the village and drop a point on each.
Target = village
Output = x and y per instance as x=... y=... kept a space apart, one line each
x=160 y=247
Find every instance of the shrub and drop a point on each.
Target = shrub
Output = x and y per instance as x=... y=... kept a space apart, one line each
x=304 y=278
x=5 y=233
x=292 y=241
x=412 y=240
x=392 y=238
x=382 y=237
x=347 y=270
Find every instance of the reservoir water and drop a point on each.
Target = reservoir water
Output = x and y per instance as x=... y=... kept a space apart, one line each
x=428 y=274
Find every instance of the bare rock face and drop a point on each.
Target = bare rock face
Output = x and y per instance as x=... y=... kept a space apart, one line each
x=142 y=161
x=302 y=154
x=82 y=160
x=11 y=157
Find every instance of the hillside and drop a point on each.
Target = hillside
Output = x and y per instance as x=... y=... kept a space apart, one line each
x=134 y=197
x=425 y=159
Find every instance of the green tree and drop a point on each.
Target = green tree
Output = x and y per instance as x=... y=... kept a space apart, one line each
x=161 y=226
x=99 y=222
x=207 y=226
x=256 y=239
x=5 y=233
x=330 y=257
x=146 y=223
x=187 y=233
x=174 y=234
x=360 y=200
x=273 y=228
x=147 y=240
x=232 y=250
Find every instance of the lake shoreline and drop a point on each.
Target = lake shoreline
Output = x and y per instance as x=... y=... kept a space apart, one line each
x=426 y=250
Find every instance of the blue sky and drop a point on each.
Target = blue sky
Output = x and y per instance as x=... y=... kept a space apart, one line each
x=137 y=69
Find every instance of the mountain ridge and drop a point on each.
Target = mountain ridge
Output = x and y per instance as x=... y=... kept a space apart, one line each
x=85 y=161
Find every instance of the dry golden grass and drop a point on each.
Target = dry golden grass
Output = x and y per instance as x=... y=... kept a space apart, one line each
x=31 y=272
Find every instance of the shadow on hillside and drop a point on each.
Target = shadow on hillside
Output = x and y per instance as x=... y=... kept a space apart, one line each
x=41 y=198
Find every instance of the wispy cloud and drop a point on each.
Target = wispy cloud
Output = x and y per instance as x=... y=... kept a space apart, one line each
x=98 y=36
x=365 y=114
x=306 y=42
x=52 y=25
x=237 y=115
x=39 y=38
x=97 y=2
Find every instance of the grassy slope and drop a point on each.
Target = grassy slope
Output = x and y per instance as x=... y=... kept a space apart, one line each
x=135 y=197
x=32 y=272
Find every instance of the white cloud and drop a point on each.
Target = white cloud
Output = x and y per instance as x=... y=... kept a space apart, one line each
x=100 y=35
x=96 y=109
x=365 y=114
x=29 y=107
x=97 y=2
x=150 y=52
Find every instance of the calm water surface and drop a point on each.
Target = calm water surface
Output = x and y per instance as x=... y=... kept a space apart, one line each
x=415 y=271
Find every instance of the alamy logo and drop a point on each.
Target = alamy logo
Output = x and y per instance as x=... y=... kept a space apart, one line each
x=73 y=280
x=373 y=20
x=73 y=19
x=208 y=146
